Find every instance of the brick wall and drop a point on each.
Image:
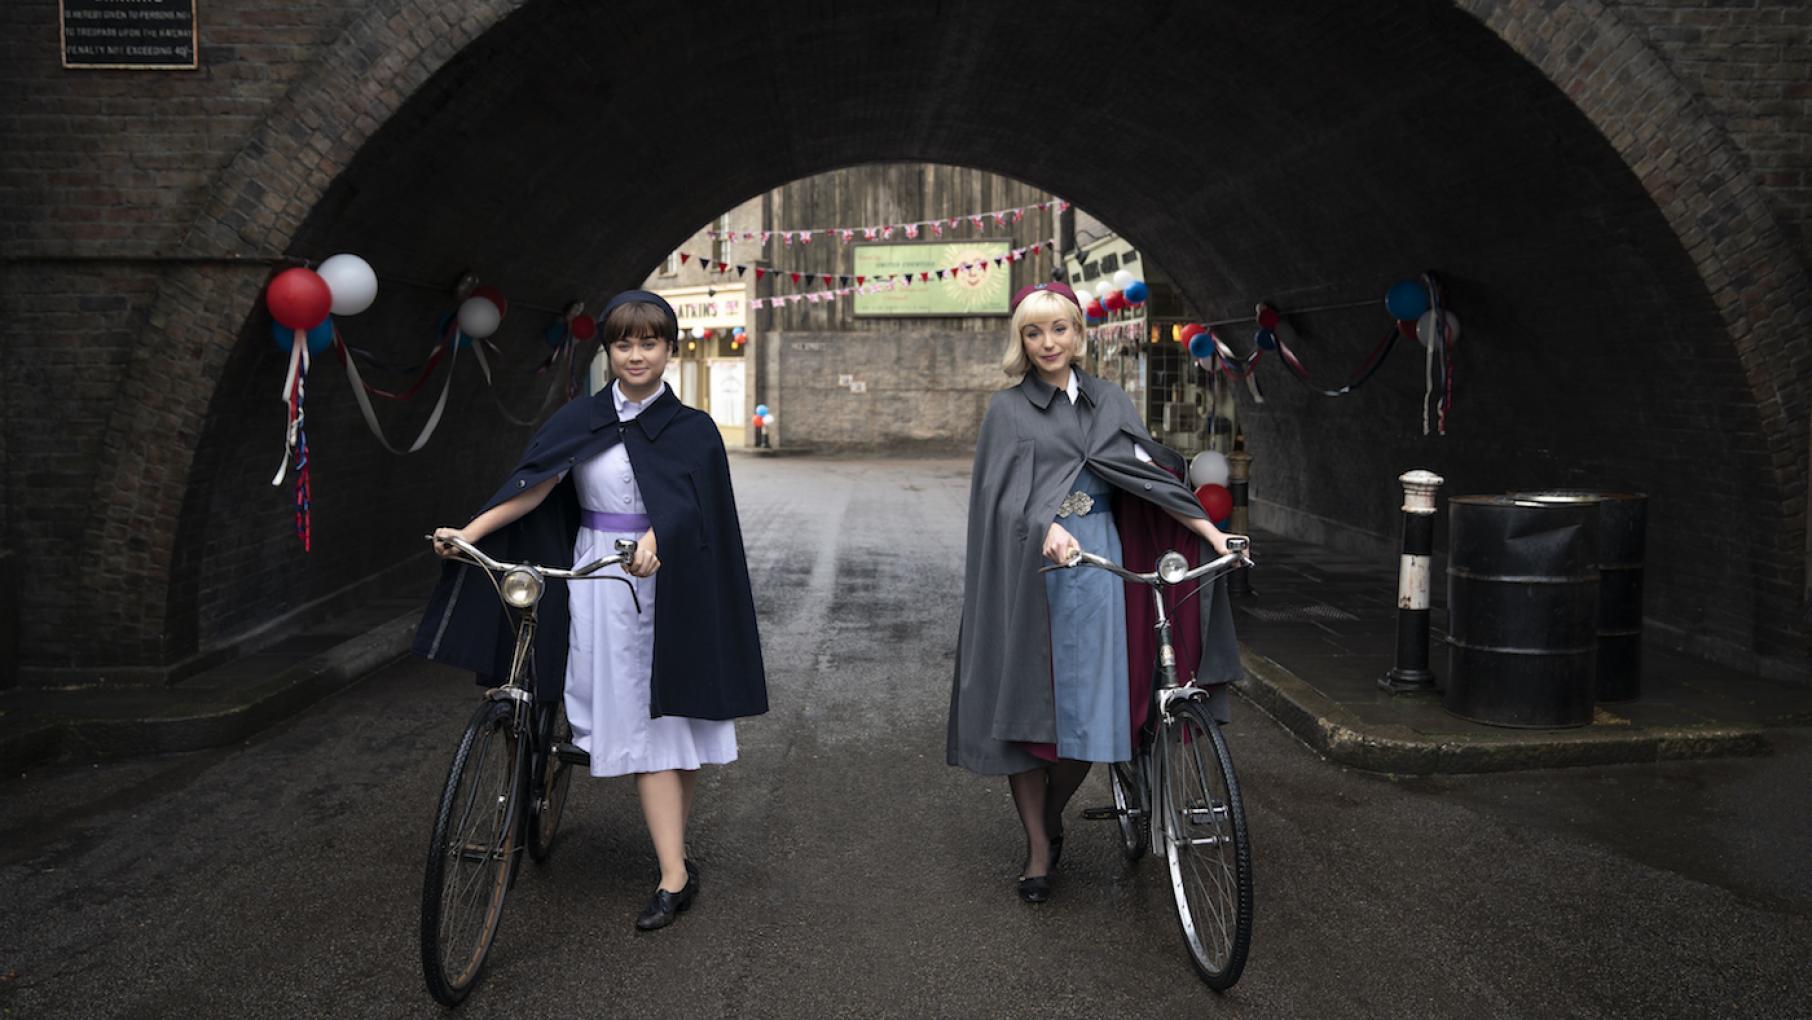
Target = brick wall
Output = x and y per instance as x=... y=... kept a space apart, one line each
x=1625 y=255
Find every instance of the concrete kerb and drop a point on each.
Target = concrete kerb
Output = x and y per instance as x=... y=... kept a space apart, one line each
x=1338 y=735
x=256 y=707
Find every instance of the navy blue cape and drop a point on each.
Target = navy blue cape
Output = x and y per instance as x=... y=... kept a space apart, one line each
x=707 y=651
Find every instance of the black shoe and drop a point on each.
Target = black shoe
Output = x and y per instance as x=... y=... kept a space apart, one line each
x=1035 y=890
x=572 y=754
x=691 y=873
x=665 y=906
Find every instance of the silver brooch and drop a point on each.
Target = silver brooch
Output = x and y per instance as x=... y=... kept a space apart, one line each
x=1078 y=503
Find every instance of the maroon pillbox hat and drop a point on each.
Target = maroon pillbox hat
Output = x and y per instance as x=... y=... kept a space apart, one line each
x=1060 y=289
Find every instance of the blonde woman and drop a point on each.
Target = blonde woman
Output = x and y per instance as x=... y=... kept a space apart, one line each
x=1043 y=687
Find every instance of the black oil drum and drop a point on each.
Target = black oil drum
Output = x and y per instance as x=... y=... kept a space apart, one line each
x=1522 y=611
x=1622 y=541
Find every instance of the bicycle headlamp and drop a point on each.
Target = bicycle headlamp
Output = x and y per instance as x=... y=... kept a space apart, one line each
x=1171 y=567
x=522 y=588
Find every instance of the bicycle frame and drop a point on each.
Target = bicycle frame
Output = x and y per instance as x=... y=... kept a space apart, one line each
x=1147 y=760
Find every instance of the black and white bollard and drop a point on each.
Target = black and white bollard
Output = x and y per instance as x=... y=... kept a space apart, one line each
x=1411 y=672
x=1239 y=482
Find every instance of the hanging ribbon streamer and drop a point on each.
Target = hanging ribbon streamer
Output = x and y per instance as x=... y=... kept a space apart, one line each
x=359 y=388
x=295 y=435
x=1366 y=370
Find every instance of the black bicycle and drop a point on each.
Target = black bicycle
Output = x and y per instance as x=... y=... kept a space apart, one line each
x=505 y=791
x=1178 y=796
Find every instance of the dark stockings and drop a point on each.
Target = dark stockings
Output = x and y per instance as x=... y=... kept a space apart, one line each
x=1040 y=796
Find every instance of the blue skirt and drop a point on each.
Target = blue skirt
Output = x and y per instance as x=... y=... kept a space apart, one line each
x=1088 y=639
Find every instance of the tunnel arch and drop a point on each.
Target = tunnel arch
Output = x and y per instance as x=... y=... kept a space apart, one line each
x=403 y=79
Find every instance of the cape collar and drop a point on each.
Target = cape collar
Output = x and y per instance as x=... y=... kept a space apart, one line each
x=1040 y=392
x=654 y=417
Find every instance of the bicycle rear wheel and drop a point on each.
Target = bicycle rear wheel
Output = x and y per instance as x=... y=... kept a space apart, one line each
x=547 y=801
x=471 y=854
x=1205 y=845
x=1134 y=815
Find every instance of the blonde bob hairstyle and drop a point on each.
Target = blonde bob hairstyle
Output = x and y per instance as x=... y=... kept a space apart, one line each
x=1041 y=306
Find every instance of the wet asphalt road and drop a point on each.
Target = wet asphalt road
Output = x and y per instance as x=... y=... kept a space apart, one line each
x=847 y=871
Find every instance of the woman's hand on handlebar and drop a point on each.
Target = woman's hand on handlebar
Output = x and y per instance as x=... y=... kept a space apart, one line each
x=444 y=549
x=1219 y=542
x=1059 y=544
x=644 y=563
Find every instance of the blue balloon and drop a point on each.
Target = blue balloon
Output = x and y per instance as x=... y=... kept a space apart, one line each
x=1136 y=292
x=761 y=409
x=1406 y=300
x=460 y=340
x=555 y=335
x=1201 y=345
x=319 y=339
x=1265 y=340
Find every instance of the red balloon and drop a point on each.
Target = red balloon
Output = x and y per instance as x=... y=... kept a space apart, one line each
x=1094 y=310
x=494 y=296
x=584 y=327
x=1189 y=332
x=1407 y=328
x=706 y=334
x=1267 y=317
x=299 y=298
x=1215 y=500
x=755 y=422
x=1113 y=300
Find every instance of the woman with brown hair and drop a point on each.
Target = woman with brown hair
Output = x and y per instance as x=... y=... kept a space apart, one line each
x=649 y=693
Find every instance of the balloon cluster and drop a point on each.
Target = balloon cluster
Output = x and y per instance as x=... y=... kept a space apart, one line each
x=738 y=337
x=304 y=300
x=302 y=304
x=1410 y=303
x=1208 y=472
x=763 y=419
x=480 y=314
x=1122 y=291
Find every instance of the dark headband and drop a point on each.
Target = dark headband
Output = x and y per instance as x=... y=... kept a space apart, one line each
x=645 y=297
x=1060 y=289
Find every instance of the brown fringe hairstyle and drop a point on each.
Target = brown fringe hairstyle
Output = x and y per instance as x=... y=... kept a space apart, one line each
x=638 y=319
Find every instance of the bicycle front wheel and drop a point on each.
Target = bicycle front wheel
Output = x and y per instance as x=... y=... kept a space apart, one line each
x=472 y=851
x=1205 y=845
x=548 y=799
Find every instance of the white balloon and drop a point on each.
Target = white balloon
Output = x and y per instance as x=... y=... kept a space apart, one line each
x=1104 y=288
x=478 y=317
x=1425 y=327
x=351 y=282
x=767 y=420
x=1208 y=468
x=1123 y=279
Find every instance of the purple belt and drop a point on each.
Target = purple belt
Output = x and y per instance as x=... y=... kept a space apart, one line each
x=598 y=520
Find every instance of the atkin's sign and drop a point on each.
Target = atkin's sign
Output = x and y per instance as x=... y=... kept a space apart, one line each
x=153 y=35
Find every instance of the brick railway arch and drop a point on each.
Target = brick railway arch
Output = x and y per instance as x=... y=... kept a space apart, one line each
x=1195 y=129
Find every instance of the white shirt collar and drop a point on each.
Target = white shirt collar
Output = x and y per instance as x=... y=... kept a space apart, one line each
x=627 y=409
x=1071 y=390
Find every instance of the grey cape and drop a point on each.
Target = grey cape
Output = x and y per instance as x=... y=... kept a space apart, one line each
x=1032 y=446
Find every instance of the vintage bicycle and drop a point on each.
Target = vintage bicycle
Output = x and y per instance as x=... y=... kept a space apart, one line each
x=1178 y=796
x=505 y=790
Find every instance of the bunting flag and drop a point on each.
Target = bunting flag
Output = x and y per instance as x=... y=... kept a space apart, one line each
x=885 y=231
x=863 y=285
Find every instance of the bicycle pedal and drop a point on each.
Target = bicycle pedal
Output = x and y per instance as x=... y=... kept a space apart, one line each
x=572 y=754
x=1101 y=814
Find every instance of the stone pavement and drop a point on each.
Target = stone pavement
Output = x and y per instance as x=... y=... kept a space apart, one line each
x=1317 y=634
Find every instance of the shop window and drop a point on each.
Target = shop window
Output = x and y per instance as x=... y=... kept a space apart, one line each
x=1110 y=263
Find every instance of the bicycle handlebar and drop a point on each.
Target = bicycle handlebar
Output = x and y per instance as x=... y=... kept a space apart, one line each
x=625 y=549
x=1234 y=557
